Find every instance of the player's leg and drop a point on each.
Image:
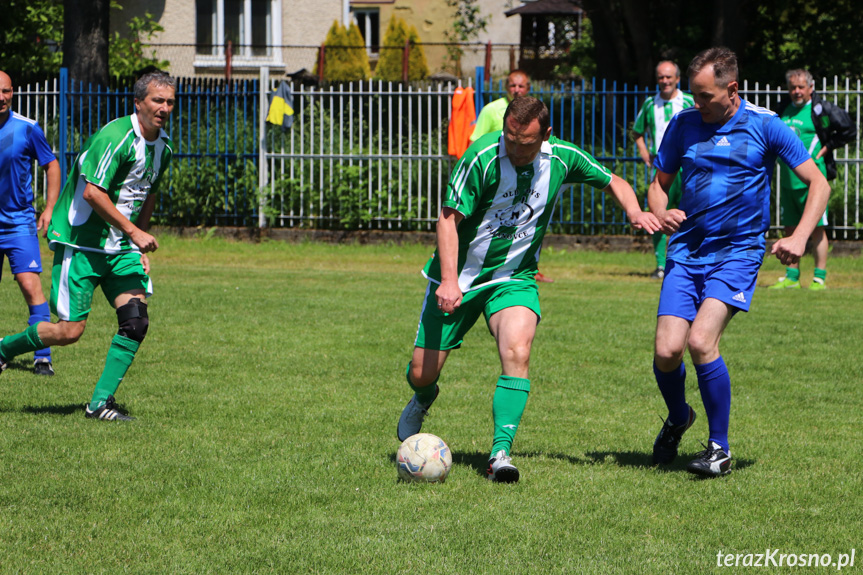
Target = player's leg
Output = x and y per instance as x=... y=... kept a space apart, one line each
x=437 y=334
x=714 y=383
x=821 y=247
x=659 y=250
x=126 y=286
x=791 y=206
x=71 y=293
x=25 y=261
x=513 y=313
x=678 y=302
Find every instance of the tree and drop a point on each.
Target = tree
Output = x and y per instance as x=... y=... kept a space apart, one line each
x=85 y=40
x=392 y=53
x=768 y=37
x=30 y=39
x=345 y=57
x=467 y=23
x=126 y=55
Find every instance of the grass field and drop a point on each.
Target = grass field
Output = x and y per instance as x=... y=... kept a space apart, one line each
x=267 y=395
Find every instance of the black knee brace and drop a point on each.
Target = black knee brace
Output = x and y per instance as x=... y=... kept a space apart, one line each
x=133 y=319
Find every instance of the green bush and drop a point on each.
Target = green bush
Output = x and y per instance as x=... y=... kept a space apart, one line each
x=389 y=66
x=345 y=57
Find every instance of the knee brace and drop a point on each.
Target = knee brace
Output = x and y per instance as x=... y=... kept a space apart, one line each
x=133 y=320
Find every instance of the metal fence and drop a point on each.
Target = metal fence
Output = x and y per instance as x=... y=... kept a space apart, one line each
x=373 y=155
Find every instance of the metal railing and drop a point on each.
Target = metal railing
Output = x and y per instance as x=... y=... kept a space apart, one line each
x=373 y=155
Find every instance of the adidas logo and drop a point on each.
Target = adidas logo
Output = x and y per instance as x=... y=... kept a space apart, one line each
x=33 y=264
x=723 y=142
x=740 y=297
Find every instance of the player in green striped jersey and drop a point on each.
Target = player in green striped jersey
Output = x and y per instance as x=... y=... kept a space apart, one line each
x=499 y=201
x=98 y=236
x=651 y=122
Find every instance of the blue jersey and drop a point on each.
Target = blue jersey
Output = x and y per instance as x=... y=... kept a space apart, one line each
x=726 y=172
x=21 y=142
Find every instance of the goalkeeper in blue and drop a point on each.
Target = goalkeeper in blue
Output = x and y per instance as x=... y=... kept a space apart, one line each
x=725 y=149
x=499 y=200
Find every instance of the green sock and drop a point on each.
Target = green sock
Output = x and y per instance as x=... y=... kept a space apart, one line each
x=120 y=356
x=659 y=249
x=821 y=274
x=26 y=341
x=510 y=397
x=793 y=274
x=425 y=395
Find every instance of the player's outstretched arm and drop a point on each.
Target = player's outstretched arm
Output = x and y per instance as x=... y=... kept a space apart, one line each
x=790 y=249
x=657 y=201
x=448 y=293
x=102 y=205
x=626 y=198
x=52 y=192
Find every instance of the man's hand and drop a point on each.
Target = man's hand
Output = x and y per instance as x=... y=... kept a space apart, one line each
x=144 y=241
x=448 y=296
x=645 y=221
x=670 y=221
x=789 y=250
x=145 y=261
x=43 y=222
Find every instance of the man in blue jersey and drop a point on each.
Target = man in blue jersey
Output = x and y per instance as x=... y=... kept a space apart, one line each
x=21 y=142
x=725 y=149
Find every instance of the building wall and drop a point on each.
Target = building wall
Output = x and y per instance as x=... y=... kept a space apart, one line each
x=303 y=23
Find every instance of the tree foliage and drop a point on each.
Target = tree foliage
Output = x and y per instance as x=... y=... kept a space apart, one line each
x=30 y=38
x=345 y=57
x=769 y=36
x=392 y=53
x=467 y=23
x=127 y=55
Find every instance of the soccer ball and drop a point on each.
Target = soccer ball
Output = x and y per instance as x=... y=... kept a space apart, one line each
x=425 y=458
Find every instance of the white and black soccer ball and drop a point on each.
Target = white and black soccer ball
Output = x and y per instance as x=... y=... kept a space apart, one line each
x=424 y=458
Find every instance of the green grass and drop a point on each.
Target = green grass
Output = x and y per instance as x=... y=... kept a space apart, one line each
x=267 y=395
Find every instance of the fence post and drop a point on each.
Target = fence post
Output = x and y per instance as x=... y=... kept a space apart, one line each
x=487 y=76
x=321 y=59
x=264 y=87
x=229 y=53
x=480 y=88
x=63 y=113
x=406 y=55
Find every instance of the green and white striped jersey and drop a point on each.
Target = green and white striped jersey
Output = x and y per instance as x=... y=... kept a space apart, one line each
x=506 y=209
x=656 y=113
x=800 y=122
x=119 y=160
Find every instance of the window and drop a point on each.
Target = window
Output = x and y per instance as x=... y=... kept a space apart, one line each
x=252 y=26
x=368 y=20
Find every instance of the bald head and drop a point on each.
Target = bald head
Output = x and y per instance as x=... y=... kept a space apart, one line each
x=5 y=96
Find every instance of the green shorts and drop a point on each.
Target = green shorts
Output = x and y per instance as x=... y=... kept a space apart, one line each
x=76 y=273
x=791 y=204
x=441 y=331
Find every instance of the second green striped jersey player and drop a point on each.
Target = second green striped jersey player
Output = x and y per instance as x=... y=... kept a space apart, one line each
x=98 y=234
x=123 y=164
x=497 y=208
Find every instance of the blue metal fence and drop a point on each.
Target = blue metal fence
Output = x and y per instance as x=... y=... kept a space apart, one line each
x=371 y=155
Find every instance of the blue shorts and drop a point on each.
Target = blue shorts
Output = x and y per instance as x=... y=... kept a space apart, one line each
x=685 y=287
x=23 y=253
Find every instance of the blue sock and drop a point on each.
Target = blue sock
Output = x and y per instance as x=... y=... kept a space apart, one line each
x=672 y=385
x=715 y=386
x=38 y=314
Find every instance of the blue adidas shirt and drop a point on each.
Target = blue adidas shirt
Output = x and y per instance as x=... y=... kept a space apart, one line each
x=726 y=172
x=21 y=142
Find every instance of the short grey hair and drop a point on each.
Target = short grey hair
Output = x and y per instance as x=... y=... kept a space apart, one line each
x=791 y=74
x=676 y=67
x=142 y=86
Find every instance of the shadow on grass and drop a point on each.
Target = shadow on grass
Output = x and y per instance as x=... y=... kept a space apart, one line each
x=645 y=460
x=67 y=409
